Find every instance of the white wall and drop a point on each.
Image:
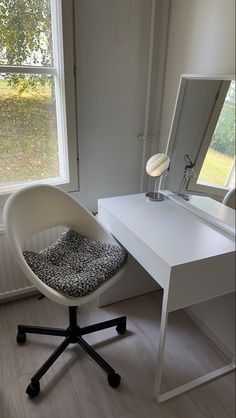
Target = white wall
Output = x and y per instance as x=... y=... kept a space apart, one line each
x=201 y=41
x=112 y=48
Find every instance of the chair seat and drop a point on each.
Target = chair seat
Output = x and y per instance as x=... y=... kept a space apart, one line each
x=76 y=265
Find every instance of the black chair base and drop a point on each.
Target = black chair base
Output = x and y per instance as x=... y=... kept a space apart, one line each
x=73 y=334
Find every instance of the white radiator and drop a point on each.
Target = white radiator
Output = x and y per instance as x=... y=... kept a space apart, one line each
x=12 y=281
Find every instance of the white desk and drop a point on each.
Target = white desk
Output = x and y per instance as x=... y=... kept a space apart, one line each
x=191 y=258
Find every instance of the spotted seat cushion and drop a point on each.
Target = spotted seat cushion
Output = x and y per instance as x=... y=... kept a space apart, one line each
x=76 y=265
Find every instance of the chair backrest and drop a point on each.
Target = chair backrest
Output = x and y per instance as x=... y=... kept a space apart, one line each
x=230 y=199
x=40 y=207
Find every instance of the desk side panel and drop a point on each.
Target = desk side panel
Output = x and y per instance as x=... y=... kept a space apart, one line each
x=201 y=280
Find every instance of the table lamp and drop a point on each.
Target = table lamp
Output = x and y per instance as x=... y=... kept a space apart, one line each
x=156 y=166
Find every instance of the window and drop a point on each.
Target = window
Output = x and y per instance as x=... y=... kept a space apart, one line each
x=215 y=164
x=37 y=121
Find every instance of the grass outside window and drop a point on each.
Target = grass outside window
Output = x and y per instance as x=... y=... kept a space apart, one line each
x=28 y=134
x=216 y=168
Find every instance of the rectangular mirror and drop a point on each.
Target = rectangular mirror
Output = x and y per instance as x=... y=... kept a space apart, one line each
x=203 y=127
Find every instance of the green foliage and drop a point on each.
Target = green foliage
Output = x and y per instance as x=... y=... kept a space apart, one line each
x=223 y=139
x=28 y=135
x=25 y=39
x=231 y=93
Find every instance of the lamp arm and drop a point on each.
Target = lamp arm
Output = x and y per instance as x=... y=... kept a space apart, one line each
x=188 y=174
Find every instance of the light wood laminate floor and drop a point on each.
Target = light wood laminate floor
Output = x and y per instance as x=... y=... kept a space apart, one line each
x=75 y=387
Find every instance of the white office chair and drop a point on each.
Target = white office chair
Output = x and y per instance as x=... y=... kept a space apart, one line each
x=230 y=199
x=38 y=208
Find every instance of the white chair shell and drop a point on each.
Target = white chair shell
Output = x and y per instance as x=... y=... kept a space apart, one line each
x=39 y=207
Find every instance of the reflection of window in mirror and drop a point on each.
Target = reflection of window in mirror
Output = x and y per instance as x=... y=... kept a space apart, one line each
x=215 y=164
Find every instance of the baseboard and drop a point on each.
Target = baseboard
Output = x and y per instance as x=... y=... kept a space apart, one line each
x=18 y=294
x=209 y=334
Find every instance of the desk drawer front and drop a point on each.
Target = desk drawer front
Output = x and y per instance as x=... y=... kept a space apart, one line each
x=135 y=247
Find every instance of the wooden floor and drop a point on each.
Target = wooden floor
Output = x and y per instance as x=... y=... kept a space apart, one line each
x=75 y=387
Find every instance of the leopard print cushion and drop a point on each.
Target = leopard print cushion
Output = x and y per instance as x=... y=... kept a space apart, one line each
x=76 y=265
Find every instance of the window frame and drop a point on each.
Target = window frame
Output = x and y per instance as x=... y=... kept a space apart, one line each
x=63 y=70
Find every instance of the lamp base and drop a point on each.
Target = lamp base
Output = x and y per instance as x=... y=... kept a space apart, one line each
x=154 y=196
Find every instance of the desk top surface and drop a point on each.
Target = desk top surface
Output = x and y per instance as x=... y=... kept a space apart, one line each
x=208 y=209
x=173 y=233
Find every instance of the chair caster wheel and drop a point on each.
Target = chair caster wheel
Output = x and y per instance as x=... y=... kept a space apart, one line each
x=121 y=328
x=114 y=380
x=21 y=338
x=33 y=389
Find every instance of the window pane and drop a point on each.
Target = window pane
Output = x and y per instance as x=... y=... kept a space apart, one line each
x=28 y=131
x=26 y=32
x=218 y=168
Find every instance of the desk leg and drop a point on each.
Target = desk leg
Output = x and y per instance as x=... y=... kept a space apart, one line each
x=161 y=346
x=160 y=360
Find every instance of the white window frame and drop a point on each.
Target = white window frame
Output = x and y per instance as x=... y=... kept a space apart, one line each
x=63 y=71
x=204 y=187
